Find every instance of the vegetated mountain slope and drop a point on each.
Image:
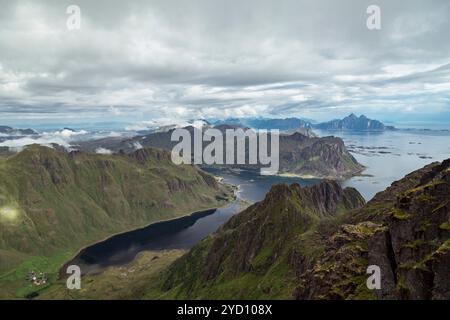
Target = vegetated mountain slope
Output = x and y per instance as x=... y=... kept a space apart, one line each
x=124 y=282
x=325 y=157
x=300 y=154
x=314 y=243
x=404 y=230
x=251 y=255
x=51 y=200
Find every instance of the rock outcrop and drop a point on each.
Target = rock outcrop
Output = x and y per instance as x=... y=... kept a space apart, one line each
x=318 y=242
x=252 y=254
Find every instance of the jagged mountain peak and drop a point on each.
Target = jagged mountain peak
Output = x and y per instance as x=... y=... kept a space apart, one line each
x=143 y=154
x=322 y=199
x=258 y=239
x=317 y=242
x=353 y=122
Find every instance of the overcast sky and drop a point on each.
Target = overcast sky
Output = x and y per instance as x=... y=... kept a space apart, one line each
x=143 y=60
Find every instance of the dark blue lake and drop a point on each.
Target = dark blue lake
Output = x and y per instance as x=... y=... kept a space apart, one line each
x=180 y=233
x=388 y=156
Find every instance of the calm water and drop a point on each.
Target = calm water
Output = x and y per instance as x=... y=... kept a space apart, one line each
x=181 y=233
x=388 y=156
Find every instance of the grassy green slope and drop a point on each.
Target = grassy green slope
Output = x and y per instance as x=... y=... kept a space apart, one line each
x=315 y=243
x=131 y=281
x=53 y=203
x=250 y=257
x=310 y=243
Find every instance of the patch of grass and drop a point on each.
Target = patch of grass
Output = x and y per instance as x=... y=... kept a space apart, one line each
x=416 y=265
x=425 y=198
x=52 y=201
x=440 y=206
x=132 y=281
x=445 y=226
x=399 y=214
x=424 y=225
x=15 y=280
x=414 y=244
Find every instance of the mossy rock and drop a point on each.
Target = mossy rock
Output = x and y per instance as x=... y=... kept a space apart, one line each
x=399 y=214
x=445 y=226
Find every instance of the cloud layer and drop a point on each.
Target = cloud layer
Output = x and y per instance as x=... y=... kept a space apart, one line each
x=145 y=60
x=64 y=138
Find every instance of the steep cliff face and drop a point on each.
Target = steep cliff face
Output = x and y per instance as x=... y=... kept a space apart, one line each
x=403 y=230
x=250 y=256
x=325 y=157
x=51 y=200
x=413 y=251
x=317 y=242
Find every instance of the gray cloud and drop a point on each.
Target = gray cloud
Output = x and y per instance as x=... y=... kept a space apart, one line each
x=150 y=59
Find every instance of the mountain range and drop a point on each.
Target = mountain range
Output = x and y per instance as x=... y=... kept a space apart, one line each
x=16 y=132
x=312 y=242
x=351 y=122
x=266 y=123
x=300 y=154
x=317 y=242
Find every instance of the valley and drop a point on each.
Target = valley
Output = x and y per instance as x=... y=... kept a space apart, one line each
x=311 y=242
x=159 y=242
x=54 y=202
x=205 y=151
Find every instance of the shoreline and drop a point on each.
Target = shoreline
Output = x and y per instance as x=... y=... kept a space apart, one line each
x=301 y=176
x=62 y=272
x=313 y=177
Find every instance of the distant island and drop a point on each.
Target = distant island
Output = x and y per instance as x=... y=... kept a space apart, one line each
x=302 y=153
x=267 y=123
x=353 y=122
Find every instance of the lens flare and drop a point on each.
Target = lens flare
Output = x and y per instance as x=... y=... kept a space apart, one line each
x=8 y=213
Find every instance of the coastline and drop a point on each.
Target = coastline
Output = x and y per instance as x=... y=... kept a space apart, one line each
x=61 y=269
x=313 y=177
x=295 y=175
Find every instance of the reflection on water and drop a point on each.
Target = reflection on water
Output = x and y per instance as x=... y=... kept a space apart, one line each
x=181 y=233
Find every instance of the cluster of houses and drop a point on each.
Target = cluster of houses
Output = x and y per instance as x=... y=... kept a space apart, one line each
x=37 y=278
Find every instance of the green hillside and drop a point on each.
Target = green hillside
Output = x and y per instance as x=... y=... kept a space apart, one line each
x=317 y=242
x=52 y=202
x=250 y=257
x=305 y=243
